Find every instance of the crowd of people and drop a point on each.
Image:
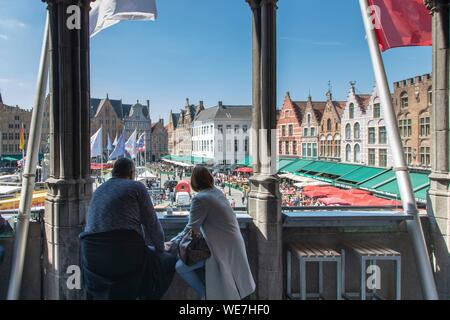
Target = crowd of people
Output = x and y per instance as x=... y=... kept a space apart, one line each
x=292 y=196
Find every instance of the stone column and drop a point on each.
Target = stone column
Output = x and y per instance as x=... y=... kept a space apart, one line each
x=439 y=195
x=70 y=184
x=264 y=198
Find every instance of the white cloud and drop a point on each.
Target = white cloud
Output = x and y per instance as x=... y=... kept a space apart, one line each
x=12 y=82
x=12 y=24
x=329 y=43
x=3 y=37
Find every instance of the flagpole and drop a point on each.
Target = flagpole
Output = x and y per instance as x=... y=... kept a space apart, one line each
x=400 y=166
x=101 y=155
x=29 y=171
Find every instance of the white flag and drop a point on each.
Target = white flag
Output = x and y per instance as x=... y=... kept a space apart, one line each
x=97 y=143
x=109 y=145
x=115 y=141
x=119 y=150
x=105 y=13
x=130 y=145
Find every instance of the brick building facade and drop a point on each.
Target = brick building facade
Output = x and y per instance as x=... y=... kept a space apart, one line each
x=289 y=129
x=180 y=129
x=413 y=104
x=330 y=130
x=311 y=121
x=159 y=140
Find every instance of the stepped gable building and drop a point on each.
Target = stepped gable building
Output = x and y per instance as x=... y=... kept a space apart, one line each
x=363 y=130
x=354 y=126
x=171 y=132
x=182 y=132
x=413 y=104
x=311 y=121
x=289 y=127
x=108 y=114
x=159 y=147
x=330 y=130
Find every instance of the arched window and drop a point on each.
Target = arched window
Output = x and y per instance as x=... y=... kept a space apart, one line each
x=357 y=131
x=351 y=111
x=329 y=125
x=348 y=131
x=329 y=146
x=337 y=149
x=404 y=101
x=348 y=153
x=357 y=155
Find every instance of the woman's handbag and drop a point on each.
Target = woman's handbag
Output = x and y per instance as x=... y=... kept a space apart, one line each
x=193 y=248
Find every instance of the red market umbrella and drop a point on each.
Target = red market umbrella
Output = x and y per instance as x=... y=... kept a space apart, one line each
x=183 y=186
x=334 y=201
x=358 y=191
x=244 y=170
x=100 y=166
x=315 y=194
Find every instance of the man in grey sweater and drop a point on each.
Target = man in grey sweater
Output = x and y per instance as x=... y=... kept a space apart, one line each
x=123 y=241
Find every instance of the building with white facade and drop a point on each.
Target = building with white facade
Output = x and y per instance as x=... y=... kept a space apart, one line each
x=363 y=132
x=221 y=134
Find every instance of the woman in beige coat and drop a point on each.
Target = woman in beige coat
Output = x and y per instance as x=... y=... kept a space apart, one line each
x=227 y=272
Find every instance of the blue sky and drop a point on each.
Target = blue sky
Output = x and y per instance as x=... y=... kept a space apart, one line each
x=202 y=50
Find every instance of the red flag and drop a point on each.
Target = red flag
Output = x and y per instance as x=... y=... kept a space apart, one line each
x=401 y=23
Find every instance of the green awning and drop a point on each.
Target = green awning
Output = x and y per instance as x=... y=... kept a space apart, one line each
x=421 y=195
x=6 y=158
x=340 y=169
x=384 y=177
x=361 y=174
x=419 y=180
x=317 y=166
x=295 y=166
x=281 y=163
x=17 y=157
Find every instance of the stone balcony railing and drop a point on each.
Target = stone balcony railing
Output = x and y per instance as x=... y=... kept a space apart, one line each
x=329 y=226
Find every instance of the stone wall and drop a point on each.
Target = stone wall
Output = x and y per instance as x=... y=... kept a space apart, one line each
x=32 y=271
x=395 y=237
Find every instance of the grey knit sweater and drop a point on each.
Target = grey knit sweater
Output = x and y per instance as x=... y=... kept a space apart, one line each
x=121 y=204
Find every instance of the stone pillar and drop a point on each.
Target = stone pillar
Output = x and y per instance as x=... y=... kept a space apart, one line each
x=439 y=195
x=70 y=184
x=264 y=198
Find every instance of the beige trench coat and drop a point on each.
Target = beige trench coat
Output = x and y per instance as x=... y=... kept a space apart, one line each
x=228 y=275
